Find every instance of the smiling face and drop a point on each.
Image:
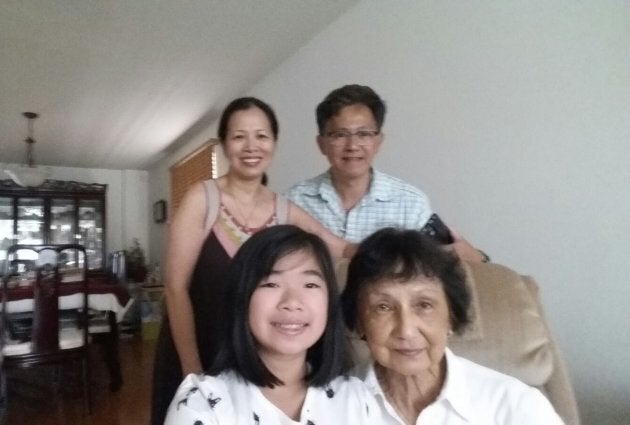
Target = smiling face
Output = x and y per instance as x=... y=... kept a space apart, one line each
x=406 y=325
x=350 y=160
x=249 y=143
x=288 y=309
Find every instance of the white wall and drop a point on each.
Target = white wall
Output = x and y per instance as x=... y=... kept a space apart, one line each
x=515 y=118
x=127 y=209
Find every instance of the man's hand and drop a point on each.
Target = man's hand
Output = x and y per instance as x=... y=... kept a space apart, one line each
x=465 y=251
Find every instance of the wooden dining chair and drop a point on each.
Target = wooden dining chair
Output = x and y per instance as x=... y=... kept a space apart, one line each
x=58 y=334
x=103 y=331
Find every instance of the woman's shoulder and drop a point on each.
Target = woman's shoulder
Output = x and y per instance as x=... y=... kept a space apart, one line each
x=192 y=209
x=194 y=193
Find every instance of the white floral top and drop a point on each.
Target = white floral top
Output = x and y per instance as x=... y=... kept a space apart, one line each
x=229 y=399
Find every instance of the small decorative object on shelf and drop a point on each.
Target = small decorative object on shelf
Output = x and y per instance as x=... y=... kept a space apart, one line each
x=136 y=262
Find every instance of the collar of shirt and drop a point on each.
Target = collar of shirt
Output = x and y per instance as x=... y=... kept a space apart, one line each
x=454 y=391
x=377 y=191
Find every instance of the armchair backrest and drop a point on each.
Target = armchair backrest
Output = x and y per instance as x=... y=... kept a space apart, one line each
x=510 y=333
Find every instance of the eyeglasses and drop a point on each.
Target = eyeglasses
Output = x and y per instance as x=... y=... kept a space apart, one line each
x=363 y=137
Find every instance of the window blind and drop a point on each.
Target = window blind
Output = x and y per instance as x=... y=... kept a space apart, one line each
x=199 y=165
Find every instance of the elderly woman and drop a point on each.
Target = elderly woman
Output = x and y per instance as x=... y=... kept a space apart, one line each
x=405 y=296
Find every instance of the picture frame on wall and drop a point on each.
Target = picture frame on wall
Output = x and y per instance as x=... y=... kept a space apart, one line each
x=159 y=211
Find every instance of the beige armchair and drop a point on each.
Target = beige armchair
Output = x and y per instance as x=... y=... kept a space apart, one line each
x=509 y=333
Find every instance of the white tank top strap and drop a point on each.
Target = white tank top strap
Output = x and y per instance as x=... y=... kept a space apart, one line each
x=213 y=200
x=282 y=209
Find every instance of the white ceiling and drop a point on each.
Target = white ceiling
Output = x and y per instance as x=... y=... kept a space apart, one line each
x=120 y=83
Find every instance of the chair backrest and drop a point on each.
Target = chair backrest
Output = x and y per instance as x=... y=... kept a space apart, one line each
x=510 y=333
x=45 y=334
x=59 y=270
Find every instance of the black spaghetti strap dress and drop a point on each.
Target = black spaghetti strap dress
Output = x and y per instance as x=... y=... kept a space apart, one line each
x=207 y=292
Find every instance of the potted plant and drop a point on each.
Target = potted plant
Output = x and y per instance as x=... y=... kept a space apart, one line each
x=136 y=262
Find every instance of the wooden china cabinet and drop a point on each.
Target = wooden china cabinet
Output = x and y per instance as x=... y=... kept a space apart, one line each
x=58 y=212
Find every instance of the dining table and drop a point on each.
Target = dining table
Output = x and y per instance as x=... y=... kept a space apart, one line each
x=105 y=294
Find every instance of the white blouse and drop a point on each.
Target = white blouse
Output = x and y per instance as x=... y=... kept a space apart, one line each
x=229 y=399
x=473 y=395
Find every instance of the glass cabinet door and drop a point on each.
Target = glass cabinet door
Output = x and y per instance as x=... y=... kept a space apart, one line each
x=91 y=231
x=62 y=221
x=30 y=221
x=6 y=229
x=63 y=212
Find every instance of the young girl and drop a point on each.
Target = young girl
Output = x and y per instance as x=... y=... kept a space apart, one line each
x=284 y=355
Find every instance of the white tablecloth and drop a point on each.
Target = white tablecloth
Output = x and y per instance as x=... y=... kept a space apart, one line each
x=102 y=302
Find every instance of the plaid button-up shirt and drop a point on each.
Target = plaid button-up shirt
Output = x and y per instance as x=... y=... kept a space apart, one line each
x=389 y=202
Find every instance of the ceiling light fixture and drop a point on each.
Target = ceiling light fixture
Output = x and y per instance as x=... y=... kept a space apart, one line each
x=28 y=174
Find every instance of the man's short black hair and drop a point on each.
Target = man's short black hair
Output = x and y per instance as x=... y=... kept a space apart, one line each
x=352 y=94
x=402 y=255
x=253 y=262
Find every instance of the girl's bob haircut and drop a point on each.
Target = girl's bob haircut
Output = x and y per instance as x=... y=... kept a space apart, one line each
x=253 y=262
